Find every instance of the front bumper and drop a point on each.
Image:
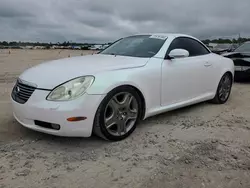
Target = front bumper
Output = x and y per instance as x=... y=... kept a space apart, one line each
x=242 y=75
x=38 y=108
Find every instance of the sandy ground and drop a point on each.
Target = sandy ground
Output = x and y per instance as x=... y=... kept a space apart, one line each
x=201 y=146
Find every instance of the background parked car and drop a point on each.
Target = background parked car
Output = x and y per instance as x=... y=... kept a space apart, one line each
x=241 y=58
x=222 y=48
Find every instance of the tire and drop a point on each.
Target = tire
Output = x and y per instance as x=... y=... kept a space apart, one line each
x=100 y=126
x=218 y=99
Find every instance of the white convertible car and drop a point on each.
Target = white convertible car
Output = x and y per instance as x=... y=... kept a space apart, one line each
x=110 y=92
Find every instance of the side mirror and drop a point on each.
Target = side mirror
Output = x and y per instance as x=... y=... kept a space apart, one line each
x=178 y=53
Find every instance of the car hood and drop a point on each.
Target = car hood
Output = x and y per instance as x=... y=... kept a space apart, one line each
x=50 y=74
x=236 y=54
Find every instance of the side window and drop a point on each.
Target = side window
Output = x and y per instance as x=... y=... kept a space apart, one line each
x=176 y=43
x=194 y=47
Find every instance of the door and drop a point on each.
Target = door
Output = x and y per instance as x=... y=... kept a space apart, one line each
x=183 y=78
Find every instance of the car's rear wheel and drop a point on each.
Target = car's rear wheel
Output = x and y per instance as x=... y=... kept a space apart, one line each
x=224 y=89
x=118 y=114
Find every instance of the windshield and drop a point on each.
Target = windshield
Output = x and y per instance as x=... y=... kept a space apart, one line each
x=136 y=46
x=243 y=48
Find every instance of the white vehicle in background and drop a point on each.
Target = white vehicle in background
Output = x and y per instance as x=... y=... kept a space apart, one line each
x=96 y=47
x=110 y=92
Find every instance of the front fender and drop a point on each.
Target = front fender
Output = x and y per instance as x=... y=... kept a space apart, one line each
x=103 y=90
x=146 y=79
x=105 y=82
x=228 y=68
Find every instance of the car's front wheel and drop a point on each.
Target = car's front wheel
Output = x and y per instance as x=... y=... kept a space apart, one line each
x=224 y=89
x=118 y=114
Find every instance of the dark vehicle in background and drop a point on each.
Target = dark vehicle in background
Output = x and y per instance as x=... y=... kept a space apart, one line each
x=234 y=46
x=222 y=48
x=241 y=58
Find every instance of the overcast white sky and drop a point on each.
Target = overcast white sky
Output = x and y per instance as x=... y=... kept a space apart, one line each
x=107 y=20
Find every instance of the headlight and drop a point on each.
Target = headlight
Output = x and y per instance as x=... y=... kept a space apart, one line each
x=244 y=68
x=71 y=89
x=237 y=68
x=241 y=68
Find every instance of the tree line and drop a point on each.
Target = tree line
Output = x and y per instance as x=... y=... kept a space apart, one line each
x=230 y=41
x=67 y=43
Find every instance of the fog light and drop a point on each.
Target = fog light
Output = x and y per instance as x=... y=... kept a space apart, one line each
x=55 y=126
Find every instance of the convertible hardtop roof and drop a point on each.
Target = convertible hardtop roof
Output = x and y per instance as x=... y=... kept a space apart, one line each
x=166 y=34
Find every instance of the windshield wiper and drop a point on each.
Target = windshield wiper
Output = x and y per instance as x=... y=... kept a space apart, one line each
x=111 y=54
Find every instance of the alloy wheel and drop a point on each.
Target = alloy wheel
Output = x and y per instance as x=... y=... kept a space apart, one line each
x=121 y=113
x=225 y=87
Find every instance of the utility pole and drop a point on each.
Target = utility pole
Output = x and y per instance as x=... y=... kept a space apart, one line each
x=239 y=39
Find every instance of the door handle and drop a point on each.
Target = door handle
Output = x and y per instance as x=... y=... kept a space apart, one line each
x=207 y=64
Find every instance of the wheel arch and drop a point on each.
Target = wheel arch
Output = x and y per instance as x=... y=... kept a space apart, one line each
x=225 y=72
x=143 y=101
x=231 y=74
x=138 y=90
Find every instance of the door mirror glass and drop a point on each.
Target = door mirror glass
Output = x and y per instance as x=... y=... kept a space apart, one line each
x=178 y=53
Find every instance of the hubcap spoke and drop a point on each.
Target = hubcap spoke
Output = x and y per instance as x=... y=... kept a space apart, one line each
x=110 y=121
x=130 y=100
x=132 y=114
x=223 y=95
x=121 y=127
x=114 y=104
x=127 y=99
x=220 y=90
x=227 y=81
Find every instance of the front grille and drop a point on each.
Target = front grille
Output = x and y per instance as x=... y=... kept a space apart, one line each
x=22 y=92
